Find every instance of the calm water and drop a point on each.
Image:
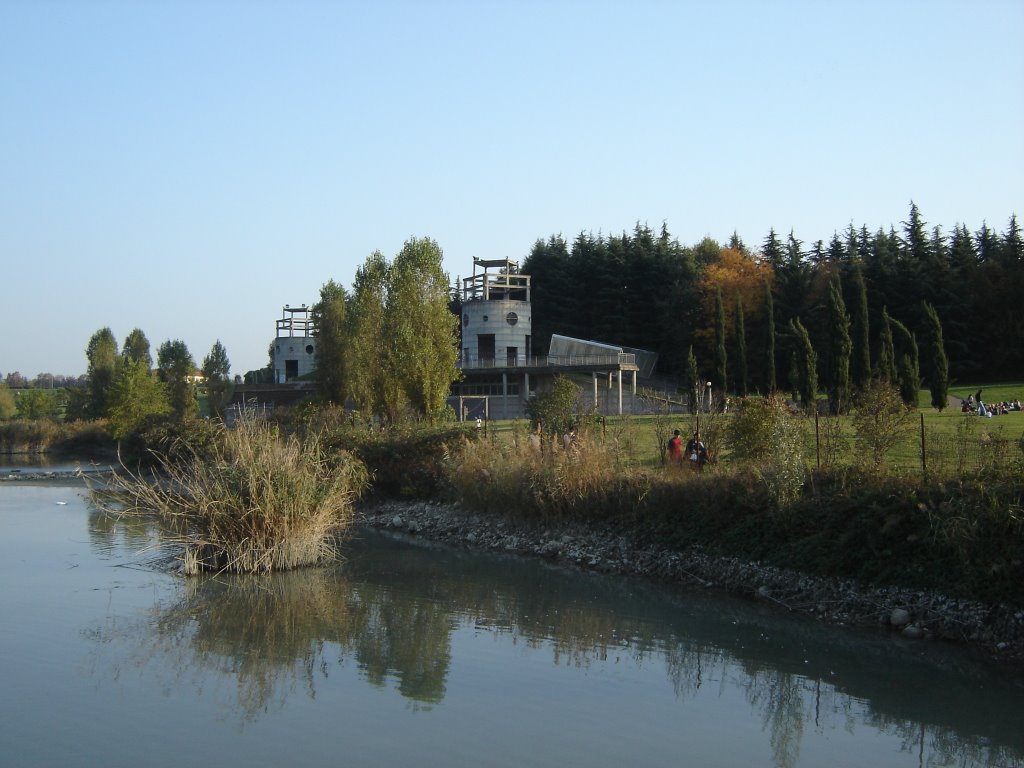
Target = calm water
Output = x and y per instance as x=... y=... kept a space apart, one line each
x=416 y=655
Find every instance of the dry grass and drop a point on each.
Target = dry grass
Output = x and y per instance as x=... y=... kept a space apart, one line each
x=259 y=503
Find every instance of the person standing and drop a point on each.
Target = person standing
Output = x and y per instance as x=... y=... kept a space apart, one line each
x=675 y=448
x=696 y=452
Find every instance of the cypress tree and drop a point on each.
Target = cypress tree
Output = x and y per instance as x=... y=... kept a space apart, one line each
x=721 y=358
x=769 y=305
x=693 y=385
x=908 y=367
x=887 y=351
x=860 y=363
x=840 y=347
x=741 y=349
x=807 y=364
x=938 y=364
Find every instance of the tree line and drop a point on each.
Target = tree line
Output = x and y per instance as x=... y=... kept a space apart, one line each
x=789 y=316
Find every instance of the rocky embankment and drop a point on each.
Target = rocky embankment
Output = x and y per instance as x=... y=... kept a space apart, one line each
x=915 y=614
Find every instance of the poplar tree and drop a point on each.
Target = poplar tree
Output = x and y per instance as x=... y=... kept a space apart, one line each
x=217 y=371
x=135 y=395
x=422 y=335
x=329 y=315
x=367 y=372
x=136 y=347
x=176 y=370
x=101 y=353
x=937 y=363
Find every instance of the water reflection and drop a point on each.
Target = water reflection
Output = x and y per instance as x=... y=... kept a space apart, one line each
x=392 y=610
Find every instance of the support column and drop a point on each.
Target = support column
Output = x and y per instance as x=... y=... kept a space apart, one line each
x=618 y=378
x=504 y=394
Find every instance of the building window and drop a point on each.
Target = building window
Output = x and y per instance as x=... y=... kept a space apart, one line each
x=512 y=318
x=309 y=349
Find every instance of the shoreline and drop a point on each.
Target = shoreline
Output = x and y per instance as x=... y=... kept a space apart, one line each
x=913 y=614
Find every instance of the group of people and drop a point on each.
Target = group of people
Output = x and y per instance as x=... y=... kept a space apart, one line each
x=694 y=454
x=974 y=404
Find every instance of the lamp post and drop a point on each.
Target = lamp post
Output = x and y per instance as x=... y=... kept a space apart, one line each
x=708 y=407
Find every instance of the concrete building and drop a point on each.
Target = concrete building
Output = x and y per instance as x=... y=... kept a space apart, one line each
x=500 y=371
x=294 y=344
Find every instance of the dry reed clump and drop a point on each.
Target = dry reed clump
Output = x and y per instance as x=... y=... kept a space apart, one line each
x=256 y=502
x=537 y=476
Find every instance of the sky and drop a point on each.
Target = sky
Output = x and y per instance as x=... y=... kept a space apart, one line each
x=189 y=168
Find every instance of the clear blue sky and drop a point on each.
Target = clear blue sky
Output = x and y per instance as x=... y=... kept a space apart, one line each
x=191 y=167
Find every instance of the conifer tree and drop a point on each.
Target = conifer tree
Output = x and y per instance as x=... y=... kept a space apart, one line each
x=721 y=357
x=887 y=351
x=693 y=382
x=769 y=304
x=806 y=364
x=741 y=349
x=839 y=346
x=937 y=363
x=860 y=362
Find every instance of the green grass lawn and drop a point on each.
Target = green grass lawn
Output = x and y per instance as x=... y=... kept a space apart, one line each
x=641 y=437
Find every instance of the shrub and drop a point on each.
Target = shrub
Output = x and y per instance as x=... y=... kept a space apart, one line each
x=252 y=501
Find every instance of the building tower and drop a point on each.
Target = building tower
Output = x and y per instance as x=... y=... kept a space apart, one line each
x=294 y=345
x=496 y=322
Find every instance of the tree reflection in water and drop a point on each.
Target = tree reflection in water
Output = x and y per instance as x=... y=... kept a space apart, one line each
x=391 y=609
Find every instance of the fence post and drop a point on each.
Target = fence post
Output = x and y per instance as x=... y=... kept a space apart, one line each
x=924 y=460
x=817 y=437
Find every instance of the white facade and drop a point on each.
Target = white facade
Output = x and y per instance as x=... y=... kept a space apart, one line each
x=294 y=345
x=496 y=333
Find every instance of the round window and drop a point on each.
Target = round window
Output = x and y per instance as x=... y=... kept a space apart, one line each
x=485 y=318
x=309 y=349
x=512 y=318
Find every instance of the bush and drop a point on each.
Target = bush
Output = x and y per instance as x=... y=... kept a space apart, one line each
x=250 y=501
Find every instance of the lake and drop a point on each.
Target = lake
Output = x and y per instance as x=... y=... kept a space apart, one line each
x=414 y=654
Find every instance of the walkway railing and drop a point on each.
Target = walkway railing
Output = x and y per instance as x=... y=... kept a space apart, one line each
x=547 y=361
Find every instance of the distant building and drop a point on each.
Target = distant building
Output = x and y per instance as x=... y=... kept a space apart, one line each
x=294 y=344
x=500 y=371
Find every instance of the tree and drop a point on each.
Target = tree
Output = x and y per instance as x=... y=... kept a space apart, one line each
x=331 y=353
x=937 y=363
x=177 y=367
x=741 y=349
x=886 y=351
x=8 y=408
x=721 y=358
x=880 y=421
x=694 y=386
x=557 y=410
x=135 y=395
x=908 y=366
x=769 y=349
x=136 y=347
x=101 y=353
x=217 y=372
x=422 y=336
x=839 y=347
x=368 y=372
x=860 y=362
x=806 y=364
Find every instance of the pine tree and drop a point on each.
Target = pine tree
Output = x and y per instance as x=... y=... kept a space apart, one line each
x=694 y=385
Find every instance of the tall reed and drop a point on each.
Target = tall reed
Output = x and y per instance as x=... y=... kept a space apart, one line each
x=254 y=502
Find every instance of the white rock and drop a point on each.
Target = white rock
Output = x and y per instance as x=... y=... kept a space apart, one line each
x=396 y=521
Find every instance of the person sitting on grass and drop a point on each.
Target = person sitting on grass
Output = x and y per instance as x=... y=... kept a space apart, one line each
x=696 y=452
